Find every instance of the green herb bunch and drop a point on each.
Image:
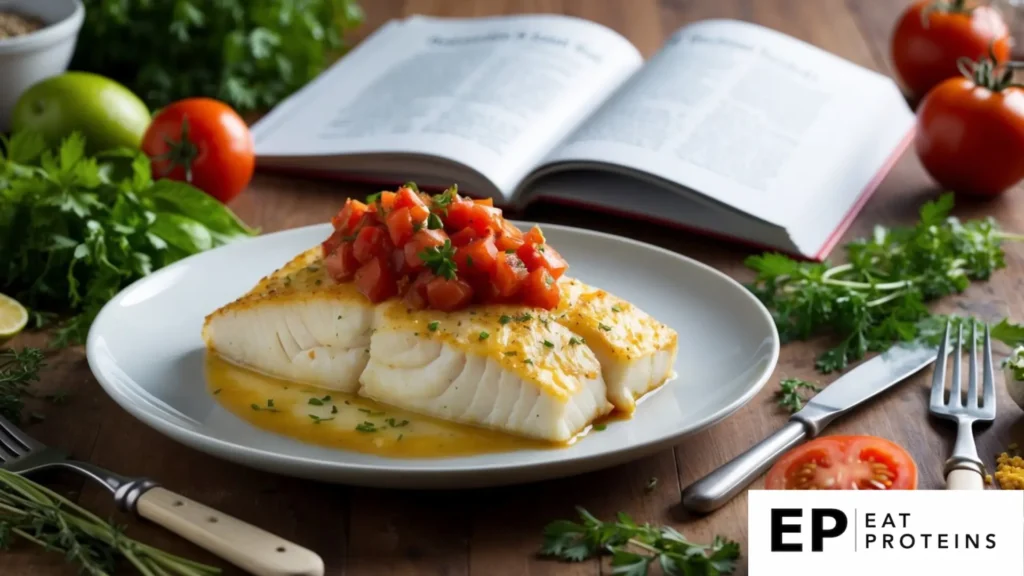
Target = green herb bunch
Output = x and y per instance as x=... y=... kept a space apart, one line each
x=635 y=547
x=75 y=229
x=878 y=297
x=18 y=370
x=248 y=53
x=31 y=512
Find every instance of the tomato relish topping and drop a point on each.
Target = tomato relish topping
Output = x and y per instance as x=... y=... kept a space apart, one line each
x=443 y=252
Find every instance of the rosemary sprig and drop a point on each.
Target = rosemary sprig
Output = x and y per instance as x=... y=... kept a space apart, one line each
x=18 y=369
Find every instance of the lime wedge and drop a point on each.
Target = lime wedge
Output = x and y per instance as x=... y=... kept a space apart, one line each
x=13 y=317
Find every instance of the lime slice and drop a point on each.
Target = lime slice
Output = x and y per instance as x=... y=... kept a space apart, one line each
x=13 y=317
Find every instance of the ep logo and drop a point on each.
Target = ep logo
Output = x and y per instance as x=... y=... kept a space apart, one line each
x=821 y=523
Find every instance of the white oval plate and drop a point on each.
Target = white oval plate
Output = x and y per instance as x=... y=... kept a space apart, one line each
x=146 y=351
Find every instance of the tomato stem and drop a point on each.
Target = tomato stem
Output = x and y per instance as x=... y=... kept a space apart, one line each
x=182 y=152
x=945 y=7
x=989 y=73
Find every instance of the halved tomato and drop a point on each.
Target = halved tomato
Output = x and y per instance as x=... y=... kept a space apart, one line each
x=477 y=258
x=509 y=274
x=372 y=242
x=540 y=290
x=376 y=280
x=341 y=262
x=448 y=295
x=844 y=463
x=419 y=242
x=349 y=215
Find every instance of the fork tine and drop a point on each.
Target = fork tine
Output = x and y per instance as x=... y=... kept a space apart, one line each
x=972 y=378
x=939 y=376
x=955 y=391
x=988 y=382
x=23 y=441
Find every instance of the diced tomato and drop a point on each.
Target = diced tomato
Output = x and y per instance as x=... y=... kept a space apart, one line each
x=400 y=227
x=349 y=215
x=484 y=201
x=448 y=295
x=470 y=215
x=477 y=257
x=530 y=256
x=332 y=242
x=407 y=198
x=419 y=242
x=398 y=263
x=534 y=236
x=341 y=262
x=543 y=256
x=419 y=214
x=509 y=237
x=416 y=296
x=376 y=280
x=372 y=242
x=387 y=200
x=463 y=237
x=509 y=275
x=540 y=290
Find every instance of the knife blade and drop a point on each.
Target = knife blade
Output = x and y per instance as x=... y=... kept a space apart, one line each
x=850 y=390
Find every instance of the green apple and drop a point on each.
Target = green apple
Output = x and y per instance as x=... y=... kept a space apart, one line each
x=104 y=111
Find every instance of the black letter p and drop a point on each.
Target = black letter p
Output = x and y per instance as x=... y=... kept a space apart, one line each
x=818 y=532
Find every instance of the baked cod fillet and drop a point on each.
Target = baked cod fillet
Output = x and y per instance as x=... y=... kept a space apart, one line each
x=528 y=372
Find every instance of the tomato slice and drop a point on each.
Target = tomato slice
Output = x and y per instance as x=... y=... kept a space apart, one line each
x=509 y=275
x=419 y=242
x=540 y=290
x=349 y=215
x=509 y=237
x=372 y=242
x=376 y=280
x=477 y=258
x=407 y=198
x=400 y=226
x=844 y=463
x=448 y=295
x=341 y=262
x=482 y=219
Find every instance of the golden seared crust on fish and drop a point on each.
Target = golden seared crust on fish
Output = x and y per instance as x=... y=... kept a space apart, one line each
x=530 y=372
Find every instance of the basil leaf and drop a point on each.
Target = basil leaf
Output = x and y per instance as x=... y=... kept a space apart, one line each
x=179 y=197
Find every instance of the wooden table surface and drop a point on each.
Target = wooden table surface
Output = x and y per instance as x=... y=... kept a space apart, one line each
x=361 y=531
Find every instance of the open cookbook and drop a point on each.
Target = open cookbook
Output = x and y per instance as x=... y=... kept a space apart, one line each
x=731 y=129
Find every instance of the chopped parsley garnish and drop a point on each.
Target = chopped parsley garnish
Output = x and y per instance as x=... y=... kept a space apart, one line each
x=604 y=327
x=366 y=427
x=371 y=412
x=316 y=402
x=334 y=409
x=434 y=222
x=527 y=361
x=548 y=344
x=510 y=251
x=484 y=335
x=600 y=427
x=440 y=260
x=411 y=186
x=417 y=226
x=373 y=197
x=441 y=202
x=505 y=319
x=616 y=308
x=511 y=353
x=326 y=398
x=433 y=326
x=217 y=391
x=524 y=317
x=540 y=247
x=396 y=424
x=316 y=419
x=576 y=340
x=268 y=408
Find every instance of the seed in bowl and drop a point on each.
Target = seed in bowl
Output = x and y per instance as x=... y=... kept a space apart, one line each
x=13 y=24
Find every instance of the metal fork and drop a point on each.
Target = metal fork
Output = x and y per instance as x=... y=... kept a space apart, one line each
x=242 y=544
x=964 y=470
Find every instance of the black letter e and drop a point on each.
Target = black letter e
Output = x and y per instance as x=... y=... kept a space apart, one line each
x=779 y=528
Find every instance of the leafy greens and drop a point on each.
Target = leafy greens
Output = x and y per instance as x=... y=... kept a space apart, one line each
x=248 y=53
x=18 y=370
x=74 y=230
x=878 y=297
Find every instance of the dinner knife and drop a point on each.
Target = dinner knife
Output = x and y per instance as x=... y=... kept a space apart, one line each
x=853 y=388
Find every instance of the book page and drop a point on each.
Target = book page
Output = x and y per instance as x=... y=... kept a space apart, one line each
x=755 y=119
x=495 y=94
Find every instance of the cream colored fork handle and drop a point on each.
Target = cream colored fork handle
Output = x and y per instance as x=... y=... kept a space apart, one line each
x=244 y=545
x=961 y=479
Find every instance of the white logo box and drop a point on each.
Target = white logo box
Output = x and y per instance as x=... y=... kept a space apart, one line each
x=934 y=532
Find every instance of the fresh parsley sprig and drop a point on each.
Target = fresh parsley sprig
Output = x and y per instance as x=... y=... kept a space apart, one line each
x=440 y=260
x=878 y=297
x=439 y=203
x=789 y=395
x=635 y=547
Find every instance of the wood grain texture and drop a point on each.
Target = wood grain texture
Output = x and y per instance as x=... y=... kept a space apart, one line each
x=496 y=531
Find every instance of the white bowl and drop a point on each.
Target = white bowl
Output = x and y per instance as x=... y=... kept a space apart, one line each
x=27 y=59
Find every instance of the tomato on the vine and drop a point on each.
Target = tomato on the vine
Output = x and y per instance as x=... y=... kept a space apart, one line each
x=844 y=463
x=970 y=131
x=203 y=142
x=932 y=35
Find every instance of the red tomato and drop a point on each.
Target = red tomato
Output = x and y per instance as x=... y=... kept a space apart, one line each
x=540 y=290
x=332 y=242
x=448 y=295
x=419 y=242
x=349 y=215
x=480 y=218
x=372 y=242
x=387 y=200
x=341 y=263
x=534 y=236
x=970 y=138
x=925 y=49
x=376 y=281
x=543 y=256
x=419 y=213
x=484 y=201
x=509 y=237
x=407 y=198
x=844 y=463
x=464 y=236
x=400 y=229
x=509 y=275
x=477 y=257
x=416 y=296
x=204 y=142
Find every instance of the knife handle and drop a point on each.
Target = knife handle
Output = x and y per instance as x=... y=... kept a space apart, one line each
x=712 y=491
